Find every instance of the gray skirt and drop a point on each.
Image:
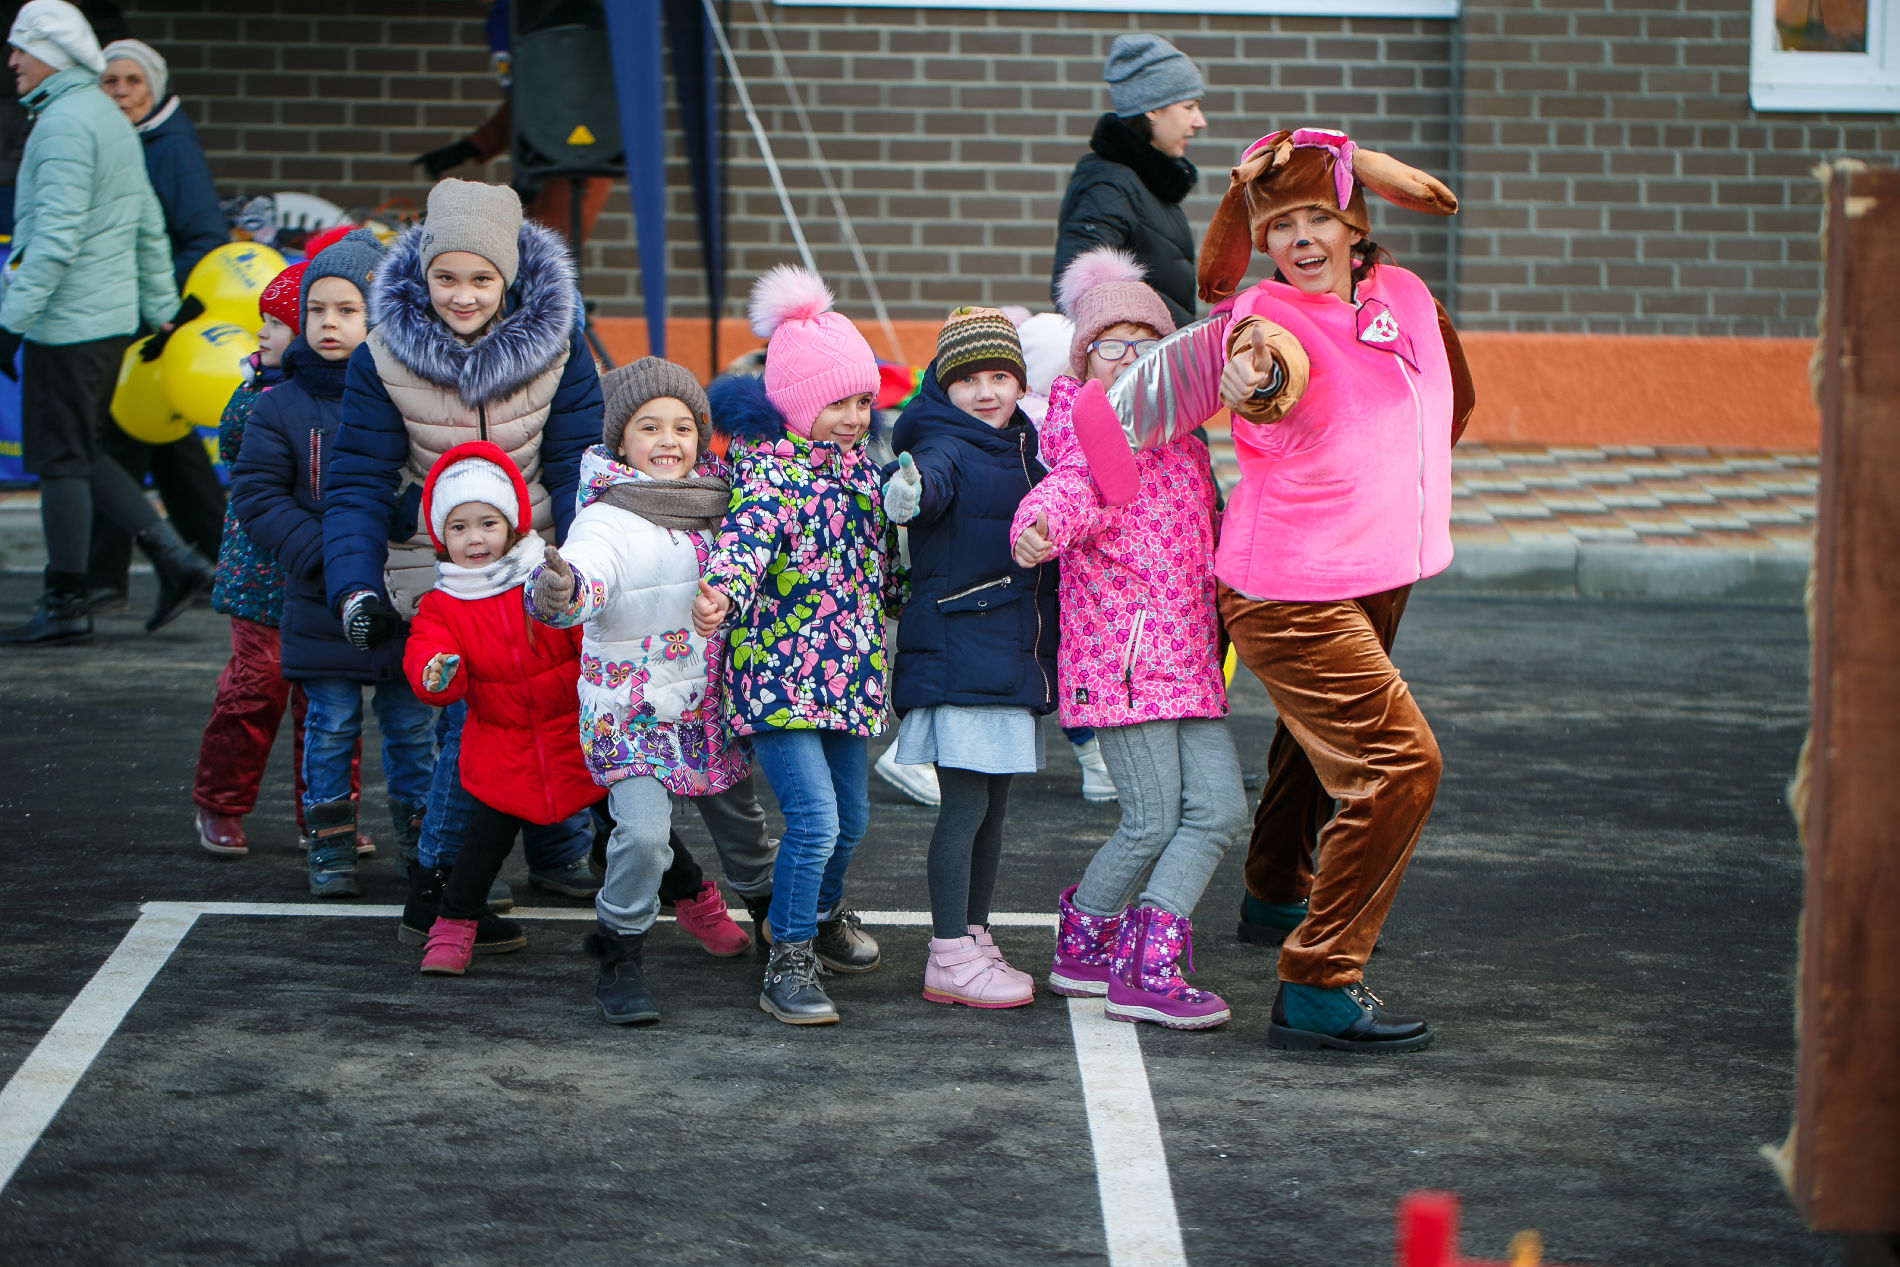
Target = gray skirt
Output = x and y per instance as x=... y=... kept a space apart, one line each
x=988 y=739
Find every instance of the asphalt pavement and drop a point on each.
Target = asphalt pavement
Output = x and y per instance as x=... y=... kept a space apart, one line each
x=1600 y=923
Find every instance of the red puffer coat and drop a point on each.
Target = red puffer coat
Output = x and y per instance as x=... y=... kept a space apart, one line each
x=521 y=750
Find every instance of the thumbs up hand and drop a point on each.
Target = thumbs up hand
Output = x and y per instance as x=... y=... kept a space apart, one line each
x=553 y=584
x=709 y=610
x=1250 y=369
x=904 y=493
x=1032 y=545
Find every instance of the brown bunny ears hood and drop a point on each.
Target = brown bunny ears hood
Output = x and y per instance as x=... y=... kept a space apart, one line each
x=1304 y=167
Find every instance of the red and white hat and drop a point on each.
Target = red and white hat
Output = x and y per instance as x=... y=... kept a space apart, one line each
x=474 y=472
x=279 y=298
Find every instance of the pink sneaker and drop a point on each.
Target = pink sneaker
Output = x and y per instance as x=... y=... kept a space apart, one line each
x=1085 y=944
x=994 y=953
x=451 y=944
x=959 y=972
x=705 y=917
x=1147 y=986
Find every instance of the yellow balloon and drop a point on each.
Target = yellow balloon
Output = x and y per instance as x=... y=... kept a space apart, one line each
x=202 y=366
x=139 y=403
x=228 y=280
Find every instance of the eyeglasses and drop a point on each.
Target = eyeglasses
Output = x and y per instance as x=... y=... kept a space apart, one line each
x=1118 y=349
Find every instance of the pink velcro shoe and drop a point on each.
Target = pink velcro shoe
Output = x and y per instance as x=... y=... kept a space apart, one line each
x=959 y=972
x=450 y=946
x=994 y=953
x=704 y=915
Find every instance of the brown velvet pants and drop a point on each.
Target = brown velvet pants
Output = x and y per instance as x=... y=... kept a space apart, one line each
x=1349 y=731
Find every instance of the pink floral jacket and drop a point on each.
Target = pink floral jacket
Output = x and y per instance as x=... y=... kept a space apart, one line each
x=1140 y=638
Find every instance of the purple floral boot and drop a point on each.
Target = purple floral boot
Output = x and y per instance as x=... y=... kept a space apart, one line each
x=1147 y=986
x=1085 y=944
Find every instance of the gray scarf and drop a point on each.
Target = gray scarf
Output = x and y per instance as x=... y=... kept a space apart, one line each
x=696 y=503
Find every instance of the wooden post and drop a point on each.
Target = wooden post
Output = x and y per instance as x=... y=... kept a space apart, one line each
x=1847 y=1147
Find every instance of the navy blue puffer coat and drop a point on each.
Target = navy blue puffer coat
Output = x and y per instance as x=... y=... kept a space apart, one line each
x=978 y=629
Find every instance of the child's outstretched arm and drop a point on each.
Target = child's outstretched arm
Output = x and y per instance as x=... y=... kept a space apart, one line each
x=571 y=585
x=748 y=542
x=927 y=488
x=1063 y=511
x=431 y=659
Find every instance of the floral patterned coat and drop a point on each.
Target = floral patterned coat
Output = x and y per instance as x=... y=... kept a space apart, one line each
x=248 y=583
x=807 y=556
x=1140 y=638
x=652 y=692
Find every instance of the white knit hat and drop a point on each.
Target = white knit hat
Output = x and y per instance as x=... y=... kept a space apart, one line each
x=58 y=34
x=471 y=479
x=147 y=59
x=1046 y=338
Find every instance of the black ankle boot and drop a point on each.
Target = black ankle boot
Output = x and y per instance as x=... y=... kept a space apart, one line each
x=493 y=934
x=407 y=820
x=791 y=991
x=758 y=908
x=183 y=573
x=61 y=616
x=842 y=945
x=622 y=990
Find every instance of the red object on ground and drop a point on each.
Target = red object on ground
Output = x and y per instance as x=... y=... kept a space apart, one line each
x=1427 y=1235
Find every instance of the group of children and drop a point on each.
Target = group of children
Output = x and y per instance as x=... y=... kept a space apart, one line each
x=719 y=600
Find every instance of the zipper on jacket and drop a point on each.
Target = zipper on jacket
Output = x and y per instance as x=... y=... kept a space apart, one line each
x=1128 y=653
x=481 y=421
x=1418 y=418
x=1003 y=581
x=1035 y=647
x=316 y=465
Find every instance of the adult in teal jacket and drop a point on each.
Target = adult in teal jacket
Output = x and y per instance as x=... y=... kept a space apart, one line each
x=90 y=261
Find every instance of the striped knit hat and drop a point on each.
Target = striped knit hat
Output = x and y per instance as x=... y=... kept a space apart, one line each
x=978 y=339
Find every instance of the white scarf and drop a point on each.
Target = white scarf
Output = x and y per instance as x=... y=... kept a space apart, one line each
x=510 y=570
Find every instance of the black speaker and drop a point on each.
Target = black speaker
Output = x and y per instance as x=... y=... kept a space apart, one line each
x=564 y=120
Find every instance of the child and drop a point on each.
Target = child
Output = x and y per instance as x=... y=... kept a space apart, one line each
x=278 y=491
x=472 y=640
x=479 y=336
x=802 y=562
x=1140 y=664
x=652 y=719
x=976 y=649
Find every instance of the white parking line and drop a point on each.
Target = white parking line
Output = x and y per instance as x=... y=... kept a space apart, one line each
x=1131 y=1166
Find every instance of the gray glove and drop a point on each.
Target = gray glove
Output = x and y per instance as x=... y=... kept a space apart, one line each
x=904 y=493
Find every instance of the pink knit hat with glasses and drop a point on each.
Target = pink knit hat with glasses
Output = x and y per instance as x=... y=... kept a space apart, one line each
x=1102 y=288
x=814 y=357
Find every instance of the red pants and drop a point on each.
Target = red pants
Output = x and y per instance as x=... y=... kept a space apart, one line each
x=1350 y=732
x=249 y=707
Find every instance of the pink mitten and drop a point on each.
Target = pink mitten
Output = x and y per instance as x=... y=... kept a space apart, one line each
x=1105 y=445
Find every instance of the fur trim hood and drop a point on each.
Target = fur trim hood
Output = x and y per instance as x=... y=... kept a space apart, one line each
x=540 y=313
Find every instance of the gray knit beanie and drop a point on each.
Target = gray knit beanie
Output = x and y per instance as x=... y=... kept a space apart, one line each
x=353 y=257
x=1145 y=72
x=627 y=387
x=466 y=215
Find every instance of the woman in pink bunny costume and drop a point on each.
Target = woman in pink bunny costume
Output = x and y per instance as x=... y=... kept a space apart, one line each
x=1348 y=389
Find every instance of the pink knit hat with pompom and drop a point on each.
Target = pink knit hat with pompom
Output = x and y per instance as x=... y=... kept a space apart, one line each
x=814 y=357
x=1101 y=288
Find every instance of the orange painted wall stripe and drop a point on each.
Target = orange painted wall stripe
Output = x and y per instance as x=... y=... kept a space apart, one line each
x=1562 y=389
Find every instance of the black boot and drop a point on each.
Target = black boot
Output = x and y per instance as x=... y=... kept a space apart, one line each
x=842 y=945
x=183 y=573
x=61 y=616
x=1345 y=1018
x=330 y=836
x=407 y=820
x=791 y=991
x=622 y=990
x=493 y=934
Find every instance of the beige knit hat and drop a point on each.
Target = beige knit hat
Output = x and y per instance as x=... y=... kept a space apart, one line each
x=466 y=215
x=626 y=388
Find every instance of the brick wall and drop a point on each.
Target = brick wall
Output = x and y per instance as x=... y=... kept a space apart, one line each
x=1612 y=174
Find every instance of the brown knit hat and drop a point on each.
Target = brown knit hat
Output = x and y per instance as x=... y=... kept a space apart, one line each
x=1304 y=167
x=626 y=388
x=976 y=339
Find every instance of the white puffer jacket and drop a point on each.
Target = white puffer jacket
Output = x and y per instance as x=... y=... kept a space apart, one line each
x=652 y=693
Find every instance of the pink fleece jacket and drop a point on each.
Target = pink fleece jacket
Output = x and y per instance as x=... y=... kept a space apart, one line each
x=1349 y=494
x=1139 y=639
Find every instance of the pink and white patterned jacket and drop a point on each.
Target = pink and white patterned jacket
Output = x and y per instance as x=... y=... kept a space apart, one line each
x=1140 y=637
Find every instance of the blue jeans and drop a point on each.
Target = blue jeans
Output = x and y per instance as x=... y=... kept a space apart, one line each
x=818 y=777
x=334 y=723
x=445 y=823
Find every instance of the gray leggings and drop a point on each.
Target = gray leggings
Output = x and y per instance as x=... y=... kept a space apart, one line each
x=1182 y=805
x=638 y=852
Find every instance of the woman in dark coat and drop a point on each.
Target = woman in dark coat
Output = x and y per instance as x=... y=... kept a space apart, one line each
x=135 y=79
x=1127 y=191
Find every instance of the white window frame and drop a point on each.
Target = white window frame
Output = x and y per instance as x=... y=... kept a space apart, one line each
x=1867 y=83
x=1287 y=8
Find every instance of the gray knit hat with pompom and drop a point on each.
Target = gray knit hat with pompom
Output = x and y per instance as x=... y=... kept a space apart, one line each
x=627 y=387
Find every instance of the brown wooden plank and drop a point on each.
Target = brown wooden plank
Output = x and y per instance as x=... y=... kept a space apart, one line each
x=1847 y=1156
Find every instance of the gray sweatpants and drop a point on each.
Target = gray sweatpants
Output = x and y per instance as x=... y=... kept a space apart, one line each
x=1182 y=805
x=638 y=853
